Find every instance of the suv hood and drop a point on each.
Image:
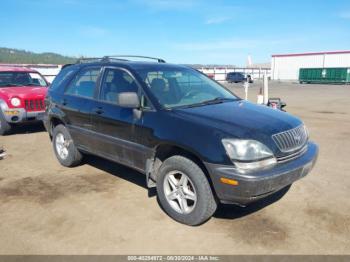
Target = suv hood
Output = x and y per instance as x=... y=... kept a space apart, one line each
x=241 y=119
x=24 y=92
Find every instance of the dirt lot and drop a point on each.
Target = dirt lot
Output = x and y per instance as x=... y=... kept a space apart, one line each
x=104 y=208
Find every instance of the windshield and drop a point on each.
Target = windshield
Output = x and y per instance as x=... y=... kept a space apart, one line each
x=184 y=87
x=21 y=79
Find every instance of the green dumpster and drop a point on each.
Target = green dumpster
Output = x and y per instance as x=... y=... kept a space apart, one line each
x=330 y=75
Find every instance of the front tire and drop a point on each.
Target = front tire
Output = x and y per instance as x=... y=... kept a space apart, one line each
x=65 y=150
x=5 y=127
x=184 y=191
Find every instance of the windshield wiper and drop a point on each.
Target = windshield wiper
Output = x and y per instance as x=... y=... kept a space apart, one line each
x=216 y=100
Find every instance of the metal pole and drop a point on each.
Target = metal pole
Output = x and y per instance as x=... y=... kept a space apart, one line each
x=246 y=88
x=260 y=98
x=324 y=60
x=266 y=89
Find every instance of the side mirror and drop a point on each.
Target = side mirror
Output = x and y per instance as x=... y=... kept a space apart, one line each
x=128 y=100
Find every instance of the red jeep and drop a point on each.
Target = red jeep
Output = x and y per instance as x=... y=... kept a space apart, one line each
x=22 y=94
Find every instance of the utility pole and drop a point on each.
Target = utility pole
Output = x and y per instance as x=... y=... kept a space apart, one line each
x=266 y=89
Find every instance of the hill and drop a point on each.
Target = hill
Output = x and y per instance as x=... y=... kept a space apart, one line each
x=10 y=55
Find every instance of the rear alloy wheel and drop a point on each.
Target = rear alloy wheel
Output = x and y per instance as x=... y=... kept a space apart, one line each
x=184 y=191
x=5 y=127
x=62 y=146
x=66 y=152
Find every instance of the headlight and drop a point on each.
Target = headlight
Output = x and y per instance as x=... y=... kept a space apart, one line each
x=248 y=154
x=15 y=101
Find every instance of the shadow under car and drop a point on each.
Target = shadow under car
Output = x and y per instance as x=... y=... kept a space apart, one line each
x=224 y=211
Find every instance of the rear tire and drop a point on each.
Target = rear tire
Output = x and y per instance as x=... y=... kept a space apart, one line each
x=5 y=127
x=195 y=194
x=65 y=150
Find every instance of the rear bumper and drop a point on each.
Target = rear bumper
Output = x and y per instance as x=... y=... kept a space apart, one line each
x=259 y=184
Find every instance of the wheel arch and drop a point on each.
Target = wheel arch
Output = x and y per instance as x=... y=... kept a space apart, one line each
x=55 y=121
x=166 y=150
x=3 y=104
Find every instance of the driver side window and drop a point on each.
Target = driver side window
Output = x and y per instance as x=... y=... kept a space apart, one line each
x=116 y=81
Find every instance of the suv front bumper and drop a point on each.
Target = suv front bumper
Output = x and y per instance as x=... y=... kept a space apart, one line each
x=19 y=115
x=259 y=184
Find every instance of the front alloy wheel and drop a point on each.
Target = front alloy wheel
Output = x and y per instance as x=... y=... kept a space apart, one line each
x=180 y=192
x=184 y=191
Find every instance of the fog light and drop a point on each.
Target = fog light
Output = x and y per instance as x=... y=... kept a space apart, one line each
x=14 y=118
x=228 y=181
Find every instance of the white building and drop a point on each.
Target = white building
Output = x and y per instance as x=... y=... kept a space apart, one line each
x=220 y=73
x=286 y=66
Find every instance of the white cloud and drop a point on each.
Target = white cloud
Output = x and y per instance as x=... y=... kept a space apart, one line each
x=217 y=20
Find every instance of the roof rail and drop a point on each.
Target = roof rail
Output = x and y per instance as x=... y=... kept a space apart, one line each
x=159 y=60
x=89 y=59
x=115 y=57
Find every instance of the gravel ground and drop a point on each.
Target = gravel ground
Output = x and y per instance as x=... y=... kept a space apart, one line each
x=104 y=208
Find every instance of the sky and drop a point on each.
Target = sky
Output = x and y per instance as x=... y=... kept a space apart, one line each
x=180 y=31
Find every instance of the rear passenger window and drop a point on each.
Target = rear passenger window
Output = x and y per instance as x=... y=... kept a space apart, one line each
x=84 y=83
x=63 y=75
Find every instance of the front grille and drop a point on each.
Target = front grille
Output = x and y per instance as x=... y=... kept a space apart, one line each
x=34 y=105
x=292 y=156
x=291 y=140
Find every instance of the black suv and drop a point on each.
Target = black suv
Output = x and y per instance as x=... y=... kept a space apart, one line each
x=238 y=77
x=195 y=141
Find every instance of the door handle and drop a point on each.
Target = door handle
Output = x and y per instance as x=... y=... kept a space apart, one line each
x=64 y=102
x=98 y=110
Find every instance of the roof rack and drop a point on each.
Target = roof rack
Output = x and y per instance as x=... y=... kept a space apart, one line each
x=159 y=60
x=89 y=59
x=116 y=57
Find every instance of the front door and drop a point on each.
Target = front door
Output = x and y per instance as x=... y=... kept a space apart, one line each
x=115 y=124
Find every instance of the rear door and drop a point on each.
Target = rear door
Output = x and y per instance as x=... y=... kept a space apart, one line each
x=77 y=102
